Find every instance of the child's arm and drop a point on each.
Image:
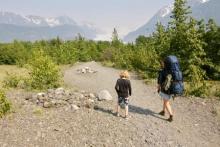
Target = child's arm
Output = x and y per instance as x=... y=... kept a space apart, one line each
x=117 y=87
x=129 y=86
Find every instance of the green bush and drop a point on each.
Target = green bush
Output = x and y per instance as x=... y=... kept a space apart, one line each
x=44 y=73
x=217 y=93
x=5 y=105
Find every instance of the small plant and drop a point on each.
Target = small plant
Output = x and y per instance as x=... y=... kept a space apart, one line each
x=5 y=105
x=38 y=111
x=217 y=93
x=11 y=80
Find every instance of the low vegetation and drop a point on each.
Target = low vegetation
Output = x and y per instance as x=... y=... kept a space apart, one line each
x=5 y=105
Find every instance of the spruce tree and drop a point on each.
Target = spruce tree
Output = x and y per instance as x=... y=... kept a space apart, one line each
x=179 y=27
x=161 y=40
x=195 y=59
x=186 y=43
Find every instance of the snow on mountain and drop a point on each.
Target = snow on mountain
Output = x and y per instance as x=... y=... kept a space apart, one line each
x=166 y=10
x=204 y=1
x=32 y=20
x=31 y=27
x=201 y=9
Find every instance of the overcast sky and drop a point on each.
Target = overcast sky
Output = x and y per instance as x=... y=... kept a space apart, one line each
x=125 y=15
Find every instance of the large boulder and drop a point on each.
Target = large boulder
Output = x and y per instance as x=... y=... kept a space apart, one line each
x=104 y=95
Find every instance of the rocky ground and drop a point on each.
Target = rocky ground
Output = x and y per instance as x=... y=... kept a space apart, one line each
x=73 y=116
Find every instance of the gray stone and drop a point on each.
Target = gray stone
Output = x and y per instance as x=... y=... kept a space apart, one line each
x=58 y=96
x=71 y=101
x=41 y=97
x=41 y=94
x=61 y=102
x=50 y=95
x=68 y=93
x=47 y=104
x=53 y=102
x=83 y=70
x=66 y=98
x=90 y=101
x=74 y=107
x=60 y=91
x=79 y=95
x=91 y=95
x=104 y=95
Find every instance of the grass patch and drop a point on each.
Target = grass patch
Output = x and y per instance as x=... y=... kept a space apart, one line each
x=108 y=64
x=11 y=69
x=38 y=111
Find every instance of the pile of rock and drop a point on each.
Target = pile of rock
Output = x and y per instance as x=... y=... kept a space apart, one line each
x=70 y=99
x=85 y=70
x=60 y=97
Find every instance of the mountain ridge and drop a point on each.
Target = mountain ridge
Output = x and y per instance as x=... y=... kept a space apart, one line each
x=31 y=27
x=201 y=9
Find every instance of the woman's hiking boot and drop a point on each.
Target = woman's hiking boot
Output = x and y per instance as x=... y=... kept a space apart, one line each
x=162 y=113
x=117 y=114
x=127 y=117
x=170 y=119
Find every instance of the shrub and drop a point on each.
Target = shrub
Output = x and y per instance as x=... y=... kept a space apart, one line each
x=44 y=73
x=5 y=105
x=14 y=81
x=217 y=93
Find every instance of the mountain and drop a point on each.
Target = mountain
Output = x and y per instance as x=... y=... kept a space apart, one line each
x=14 y=26
x=201 y=9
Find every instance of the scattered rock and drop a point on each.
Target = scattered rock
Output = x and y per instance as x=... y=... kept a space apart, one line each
x=203 y=103
x=85 y=70
x=47 y=104
x=104 y=95
x=79 y=95
x=91 y=95
x=74 y=107
x=41 y=94
x=60 y=91
x=90 y=101
x=60 y=97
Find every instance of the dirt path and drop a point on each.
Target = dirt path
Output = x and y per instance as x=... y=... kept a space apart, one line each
x=194 y=122
x=193 y=126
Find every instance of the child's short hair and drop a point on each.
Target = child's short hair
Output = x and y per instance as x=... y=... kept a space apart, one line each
x=124 y=74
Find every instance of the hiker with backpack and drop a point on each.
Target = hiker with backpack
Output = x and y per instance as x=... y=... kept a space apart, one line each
x=123 y=89
x=170 y=83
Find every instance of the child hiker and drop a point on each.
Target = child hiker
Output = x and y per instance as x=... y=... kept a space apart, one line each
x=123 y=89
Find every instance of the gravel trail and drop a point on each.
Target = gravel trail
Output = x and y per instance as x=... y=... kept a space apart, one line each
x=195 y=122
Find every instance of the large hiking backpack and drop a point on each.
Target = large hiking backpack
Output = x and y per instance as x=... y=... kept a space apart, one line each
x=172 y=68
